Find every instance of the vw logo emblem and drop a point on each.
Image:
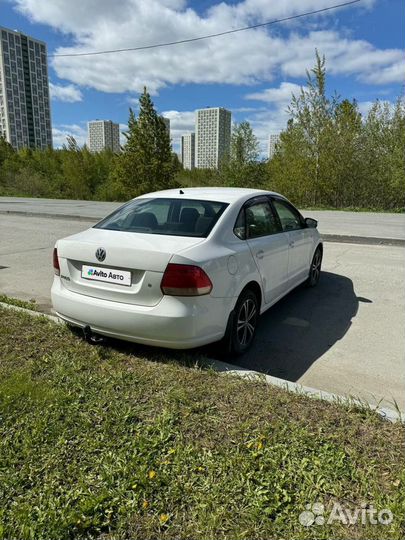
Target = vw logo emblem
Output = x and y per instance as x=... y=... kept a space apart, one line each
x=101 y=254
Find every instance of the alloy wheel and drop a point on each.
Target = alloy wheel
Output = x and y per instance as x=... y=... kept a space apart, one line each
x=316 y=267
x=246 y=323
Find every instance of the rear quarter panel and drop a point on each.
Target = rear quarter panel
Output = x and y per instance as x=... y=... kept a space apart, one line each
x=230 y=265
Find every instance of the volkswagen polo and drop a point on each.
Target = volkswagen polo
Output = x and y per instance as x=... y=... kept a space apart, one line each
x=186 y=267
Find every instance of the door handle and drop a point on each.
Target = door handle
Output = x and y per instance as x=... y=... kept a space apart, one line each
x=291 y=244
x=260 y=254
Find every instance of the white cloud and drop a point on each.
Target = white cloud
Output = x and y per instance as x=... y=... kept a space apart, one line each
x=181 y=122
x=344 y=57
x=272 y=119
x=264 y=123
x=267 y=10
x=68 y=93
x=245 y=58
x=243 y=109
x=282 y=94
x=386 y=75
x=60 y=132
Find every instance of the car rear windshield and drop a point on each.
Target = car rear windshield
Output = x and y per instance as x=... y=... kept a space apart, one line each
x=174 y=217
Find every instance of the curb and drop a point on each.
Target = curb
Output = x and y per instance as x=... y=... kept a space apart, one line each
x=365 y=240
x=230 y=369
x=67 y=217
x=31 y=312
x=388 y=414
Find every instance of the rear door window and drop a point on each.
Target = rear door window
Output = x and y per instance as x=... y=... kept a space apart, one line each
x=260 y=220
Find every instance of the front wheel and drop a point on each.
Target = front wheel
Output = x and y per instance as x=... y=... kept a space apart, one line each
x=246 y=316
x=315 y=269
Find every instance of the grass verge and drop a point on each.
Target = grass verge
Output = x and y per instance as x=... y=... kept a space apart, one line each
x=118 y=443
x=375 y=210
x=19 y=303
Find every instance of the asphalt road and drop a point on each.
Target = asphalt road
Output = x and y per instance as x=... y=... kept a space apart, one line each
x=344 y=337
x=360 y=224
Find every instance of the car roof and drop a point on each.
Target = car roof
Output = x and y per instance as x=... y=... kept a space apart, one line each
x=220 y=194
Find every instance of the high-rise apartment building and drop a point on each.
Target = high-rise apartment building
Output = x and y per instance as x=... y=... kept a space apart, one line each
x=273 y=140
x=25 y=115
x=103 y=135
x=188 y=150
x=212 y=137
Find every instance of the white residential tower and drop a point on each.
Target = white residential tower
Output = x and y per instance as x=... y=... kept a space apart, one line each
x=103 y=135
x=212 y=137
x=188 y=150
x=273 y=140
x=25 y=115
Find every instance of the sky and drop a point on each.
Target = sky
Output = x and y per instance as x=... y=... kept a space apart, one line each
x=253 y=73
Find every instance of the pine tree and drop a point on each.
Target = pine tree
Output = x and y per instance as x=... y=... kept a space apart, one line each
x=146 y=162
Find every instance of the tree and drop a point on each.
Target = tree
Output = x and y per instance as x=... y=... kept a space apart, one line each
x=318 y=159
x=146 y=162
x=343 y=170
x=244 y=144
x=289 y=171
x=71 y=145
x=384 y=159
x=6 y=154
x=242 y=167
x=6 y=150
x=313 y=111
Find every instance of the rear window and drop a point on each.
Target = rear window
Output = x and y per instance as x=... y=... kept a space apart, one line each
x=174 y=217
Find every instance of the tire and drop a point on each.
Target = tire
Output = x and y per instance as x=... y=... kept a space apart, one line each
x=244 y=322
x=315 y=268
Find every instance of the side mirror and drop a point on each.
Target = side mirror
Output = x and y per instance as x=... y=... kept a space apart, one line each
x=311 y=223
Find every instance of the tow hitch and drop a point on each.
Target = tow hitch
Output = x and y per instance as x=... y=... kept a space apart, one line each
x=91 y=337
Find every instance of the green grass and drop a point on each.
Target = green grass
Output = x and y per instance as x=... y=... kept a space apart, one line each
x=128 y=442
x=19 y=303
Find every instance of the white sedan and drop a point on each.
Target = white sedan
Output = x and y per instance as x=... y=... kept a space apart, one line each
x=185 y=267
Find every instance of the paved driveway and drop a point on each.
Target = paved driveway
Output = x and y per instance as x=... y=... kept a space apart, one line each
x=345 y=336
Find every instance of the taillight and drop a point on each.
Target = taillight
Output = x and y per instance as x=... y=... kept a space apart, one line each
x=185 y=280
x=56 y=266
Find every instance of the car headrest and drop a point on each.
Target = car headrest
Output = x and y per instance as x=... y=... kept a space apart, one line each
x=145 y=219
x=189 y=216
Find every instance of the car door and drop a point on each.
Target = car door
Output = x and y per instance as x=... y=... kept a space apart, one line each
x=300 y=240
x=269 y=247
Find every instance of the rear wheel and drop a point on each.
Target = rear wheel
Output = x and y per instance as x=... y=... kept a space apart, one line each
x=245 y=319
x=315 y=269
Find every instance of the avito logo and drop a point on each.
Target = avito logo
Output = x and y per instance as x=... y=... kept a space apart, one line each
x=90 y=272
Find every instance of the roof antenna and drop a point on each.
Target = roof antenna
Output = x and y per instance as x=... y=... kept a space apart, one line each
x=181 y=192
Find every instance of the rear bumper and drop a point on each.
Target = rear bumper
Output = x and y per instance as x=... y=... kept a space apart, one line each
x=175 y=323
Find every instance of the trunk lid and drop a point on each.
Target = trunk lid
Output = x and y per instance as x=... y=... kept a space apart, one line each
x=145 y=256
